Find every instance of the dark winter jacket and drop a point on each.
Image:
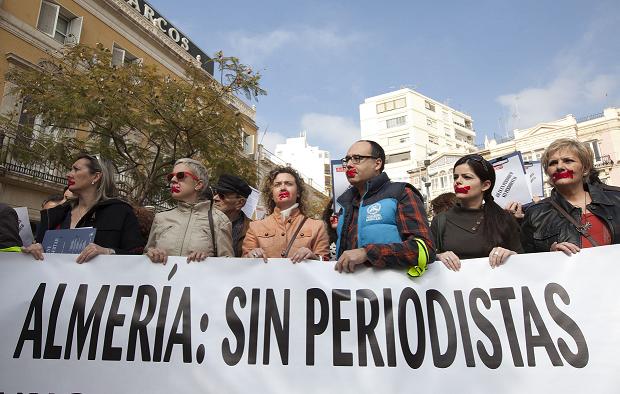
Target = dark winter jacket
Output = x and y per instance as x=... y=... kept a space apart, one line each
x=543 y=225
x=115 y=221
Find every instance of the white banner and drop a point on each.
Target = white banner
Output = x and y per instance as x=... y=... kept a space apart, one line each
x=542 y=323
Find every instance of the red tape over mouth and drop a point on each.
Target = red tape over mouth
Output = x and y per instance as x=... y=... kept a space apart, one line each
x=175 y=189
x=284 y=195
x=562 y=175
x=351 y=173
x=462 y=189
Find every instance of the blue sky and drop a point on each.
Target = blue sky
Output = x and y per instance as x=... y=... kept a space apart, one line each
x=509 y=64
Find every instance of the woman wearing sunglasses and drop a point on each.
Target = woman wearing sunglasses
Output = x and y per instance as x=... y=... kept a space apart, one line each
x=193 y=229
x=287 y=232
x=93 y=205
x=476 y=226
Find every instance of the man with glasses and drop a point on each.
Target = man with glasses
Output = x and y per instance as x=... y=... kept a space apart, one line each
x=231 y=194
x=382 y=222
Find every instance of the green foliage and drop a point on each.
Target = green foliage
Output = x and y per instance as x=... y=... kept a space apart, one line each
x=134 y=115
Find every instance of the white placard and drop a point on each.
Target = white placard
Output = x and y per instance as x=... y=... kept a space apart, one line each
x=340 y=183
x=534 y=171
x=251 y=203
x=511 y=182
x=25 y=231
x=541 y=323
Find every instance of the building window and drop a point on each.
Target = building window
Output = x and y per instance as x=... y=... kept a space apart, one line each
x=391 y=105
x=58 y=23
x=433 y=140
x=594 y=146
x=248 y=142
x=121 y=56
x=429 y=106
x=399 y=139
x=431 y=122
x=395 y=122
x=398 y=157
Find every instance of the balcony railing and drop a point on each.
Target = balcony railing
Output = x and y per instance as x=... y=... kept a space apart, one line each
x=603 y=161
x=37 y=170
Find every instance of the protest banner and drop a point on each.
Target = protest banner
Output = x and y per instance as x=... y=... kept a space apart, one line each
x=540 y=323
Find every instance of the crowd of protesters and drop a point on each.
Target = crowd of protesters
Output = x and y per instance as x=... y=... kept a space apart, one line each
x=379 y=223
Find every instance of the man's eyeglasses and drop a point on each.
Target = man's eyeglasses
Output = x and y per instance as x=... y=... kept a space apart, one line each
x=355 y=159
x=180 y=175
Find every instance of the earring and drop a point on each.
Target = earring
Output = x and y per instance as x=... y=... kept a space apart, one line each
x=93 y=182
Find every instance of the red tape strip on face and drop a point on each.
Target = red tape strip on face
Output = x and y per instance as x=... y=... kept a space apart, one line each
x=562 y=175
x=284 y=195
x=351 y=173
x=462 y=189
x=175 y=188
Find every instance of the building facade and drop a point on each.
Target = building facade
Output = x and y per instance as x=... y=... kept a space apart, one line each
x=31 y=30
x=412 y=128
x=599 y=131
x=312 y=163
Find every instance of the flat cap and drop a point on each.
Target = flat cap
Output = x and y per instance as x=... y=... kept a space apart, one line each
x=233 y=184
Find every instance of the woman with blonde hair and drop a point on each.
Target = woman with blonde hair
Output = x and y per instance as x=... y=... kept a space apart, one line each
x=193 y=229
x=581 y=212
x=287 y=231
x=91 y=181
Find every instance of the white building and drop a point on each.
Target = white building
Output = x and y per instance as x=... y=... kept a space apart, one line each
x=412 y=128
x=600 y=131
x=312 y=163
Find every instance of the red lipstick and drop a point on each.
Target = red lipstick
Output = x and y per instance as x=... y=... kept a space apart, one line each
x=562 y=175
x=175 y=188
x=70 y=182
x=351 y=173
x=462 y=189
x=283 y=195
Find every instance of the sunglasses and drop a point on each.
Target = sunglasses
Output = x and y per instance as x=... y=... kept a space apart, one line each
x=180 y=175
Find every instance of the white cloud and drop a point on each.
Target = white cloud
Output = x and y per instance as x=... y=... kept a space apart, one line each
x=332 y=133
x=569 y=92
x=270 y=139
x=583 y=83
x=255 y=48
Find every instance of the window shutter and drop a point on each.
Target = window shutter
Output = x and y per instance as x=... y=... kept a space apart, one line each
x=74 y=31
x=118 y=56
x=48 y=18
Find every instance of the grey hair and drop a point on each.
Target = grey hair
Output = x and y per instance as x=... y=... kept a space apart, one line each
x=106 y=188
x=200 y=171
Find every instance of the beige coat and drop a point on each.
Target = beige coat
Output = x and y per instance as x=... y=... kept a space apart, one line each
x=272 y=234
x=185 y=229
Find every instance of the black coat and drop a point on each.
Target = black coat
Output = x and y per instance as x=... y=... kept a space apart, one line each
x=9 y=227
x=115 y=221
x=543 y=225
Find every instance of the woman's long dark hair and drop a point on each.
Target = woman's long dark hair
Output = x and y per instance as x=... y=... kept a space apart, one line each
x=496 y=229
x=327 y=214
